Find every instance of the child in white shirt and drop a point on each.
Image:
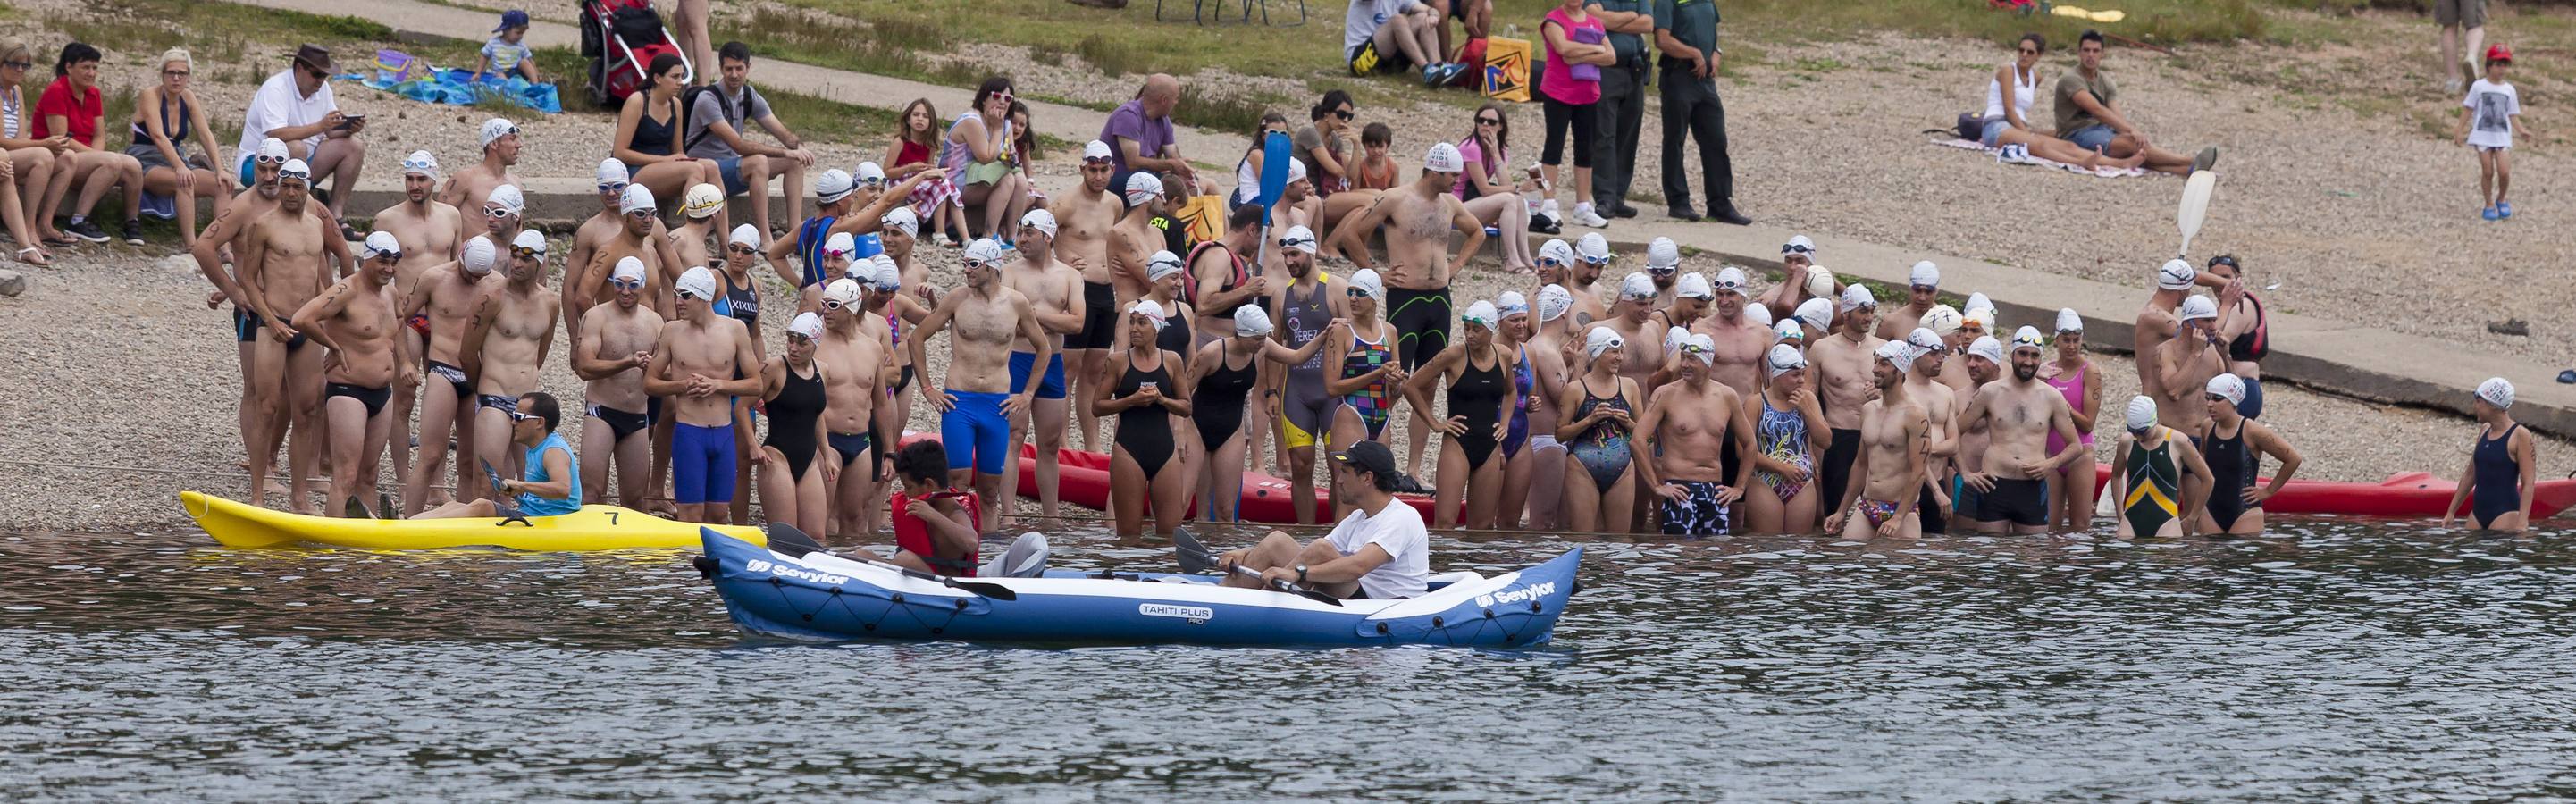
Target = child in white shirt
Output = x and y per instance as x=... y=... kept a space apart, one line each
x=2489 y=118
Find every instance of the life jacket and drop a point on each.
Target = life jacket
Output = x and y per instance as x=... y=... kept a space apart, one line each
x=1190 y=288
x=913 y=535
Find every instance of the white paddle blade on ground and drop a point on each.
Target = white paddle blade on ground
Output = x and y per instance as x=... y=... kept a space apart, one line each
x=2196 y=192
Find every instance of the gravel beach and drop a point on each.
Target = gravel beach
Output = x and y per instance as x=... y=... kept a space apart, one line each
x=2342 y=211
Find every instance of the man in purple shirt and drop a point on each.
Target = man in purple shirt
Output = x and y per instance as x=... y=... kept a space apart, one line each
x=1140 y=136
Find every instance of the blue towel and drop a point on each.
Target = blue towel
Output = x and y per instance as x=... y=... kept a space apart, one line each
x=461 y=87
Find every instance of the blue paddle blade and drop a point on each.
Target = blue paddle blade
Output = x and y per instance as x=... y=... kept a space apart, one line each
x=1275 y=153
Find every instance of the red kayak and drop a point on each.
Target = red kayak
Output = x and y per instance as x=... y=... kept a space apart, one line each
x=1084 y=481
x=2417 y=495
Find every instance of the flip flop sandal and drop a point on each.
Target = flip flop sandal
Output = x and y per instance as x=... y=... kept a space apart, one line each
x=40 y=260
x=61 y=241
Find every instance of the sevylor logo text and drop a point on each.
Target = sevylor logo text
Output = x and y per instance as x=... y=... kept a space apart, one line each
x=799 y=573
x=1520 y=595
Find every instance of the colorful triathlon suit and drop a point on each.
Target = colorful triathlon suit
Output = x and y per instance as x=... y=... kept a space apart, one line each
x=1782 y=435
x=2154 y=484
x=1603 y=449
x=1375 y=401
x=1307 y=408
x=913 y=535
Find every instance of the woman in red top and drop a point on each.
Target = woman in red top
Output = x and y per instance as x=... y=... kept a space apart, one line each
x=26 y=162
x=166 y=117
x=73 y=107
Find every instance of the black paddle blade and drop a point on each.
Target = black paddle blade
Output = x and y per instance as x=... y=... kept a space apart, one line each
x=992 y=590
x=787 y=540
x=1193 y=555
x=1308 y=594
x=354 y=509
x=491 y=475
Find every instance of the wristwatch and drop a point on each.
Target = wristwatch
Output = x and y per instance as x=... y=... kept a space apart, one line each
x=1301 y=573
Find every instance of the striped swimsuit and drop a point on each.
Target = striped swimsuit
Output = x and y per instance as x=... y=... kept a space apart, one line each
x=1376 y=401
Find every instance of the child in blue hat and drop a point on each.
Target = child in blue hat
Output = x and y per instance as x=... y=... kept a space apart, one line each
x=507 y=52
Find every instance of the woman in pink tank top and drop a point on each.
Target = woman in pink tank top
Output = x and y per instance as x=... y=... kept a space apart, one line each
x=2070 y=500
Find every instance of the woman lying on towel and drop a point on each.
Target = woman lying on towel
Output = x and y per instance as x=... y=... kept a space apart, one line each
x=2008 y=98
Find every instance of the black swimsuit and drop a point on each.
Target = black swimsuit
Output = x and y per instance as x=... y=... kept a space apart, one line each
x=1145 y=431
x=2231 y=472
x=1217 y=403
x=791 y=419
x=1478 y=397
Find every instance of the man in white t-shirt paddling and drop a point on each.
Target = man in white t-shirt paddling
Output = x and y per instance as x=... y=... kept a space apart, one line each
x=1379 y=551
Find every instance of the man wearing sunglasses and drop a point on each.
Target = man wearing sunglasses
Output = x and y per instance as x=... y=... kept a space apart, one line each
x=506 y=343
x=858 y=364
x=355 y=320
x=470 y=188
x=1086 y=216
x=615 y=345
x=551 y=485
x=641 y=235
x=296 y=107
x=231 y=227
x=288 y=263
x=978 y=398
x=447 y=295
x=701 y=361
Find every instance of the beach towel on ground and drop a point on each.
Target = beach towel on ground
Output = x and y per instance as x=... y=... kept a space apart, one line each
x=2023 y=157
x=461 y=87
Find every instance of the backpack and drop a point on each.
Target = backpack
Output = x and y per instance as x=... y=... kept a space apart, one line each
x=1972 y=126
x=689 y=101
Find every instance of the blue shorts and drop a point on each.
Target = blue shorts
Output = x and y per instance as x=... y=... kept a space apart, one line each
x=2092 y=137
x=1994 y=129
x=974 y=431
x=701 y=464
x=731 y=167
x=1050 y=386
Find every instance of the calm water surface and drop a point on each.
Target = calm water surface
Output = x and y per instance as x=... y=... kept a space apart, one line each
x=2330 y=660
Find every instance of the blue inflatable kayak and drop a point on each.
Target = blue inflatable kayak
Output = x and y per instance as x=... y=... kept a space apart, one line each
x=821 y=598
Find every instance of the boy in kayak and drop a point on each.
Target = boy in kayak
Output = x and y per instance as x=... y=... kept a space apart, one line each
x=936 y=527
x=1379 y=551
x=553 y=482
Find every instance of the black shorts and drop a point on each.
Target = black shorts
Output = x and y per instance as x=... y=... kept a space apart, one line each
x=626 y=423
x=1099 y=318
x=2021 y=502
x=1368 y=60
x=1421 y=319
x=1928 y=511
x=1835 y=475
x=246 y=325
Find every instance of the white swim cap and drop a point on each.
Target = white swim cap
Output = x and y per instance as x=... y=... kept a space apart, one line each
x=1298 y=238
x=885 y=274
x=424 y=163
x=1730 y=279
x=1637 y=286
x=1701 y=346
x=509 y=199
x=833 y=185
x=1296 y=171
x=2029 y=338
x=628 y=268
x=1983 y=317
x=1143 y=187
x=1789 y=330
x=2175 y=275
x=840 y=243
x=272 y=148
x=637 y=198
x=2496 y=391
x=1483 y=313
x=1162 y=264
x=1097 y=151
x=2142 y=413
x=1151 y=311
x=1758 y=313
x=744 y=235
x=2198 y=307
x=2229 y=387
x=1557 y=251
x=1820 y=282
x=1443 y=157
x=843 y=291
x=1942 y=319
x=611 y=173
x=901 y=218
x=1987 y=347
x=1693 y=285
x=806 y=324
x=531 y=240
x=1040 y=220
x=1924 y=341
x=1978 y=301
x=379 y=244
x=868 y=172
x=1817 y=315
x=1663 y=253
x=2069 y=321
x=1924 y=275
x=1251 y=321
x=697 y=283
x=1856 y=296
x=1511 y=303
x=1553 y=301
x=496 y=128
x=1674 y=337
x=479 y=255
x=1368 y=282
x=702 y=201
x=1799 y=244
x=1896 y=353
x=1602 y=339
x=1593 y=248
x=986 y=252
x=1785 y=358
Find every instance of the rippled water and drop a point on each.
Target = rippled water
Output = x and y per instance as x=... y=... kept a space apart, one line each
x=2328 y=660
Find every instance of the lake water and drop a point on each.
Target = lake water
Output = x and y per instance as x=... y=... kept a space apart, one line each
x=2329 y=660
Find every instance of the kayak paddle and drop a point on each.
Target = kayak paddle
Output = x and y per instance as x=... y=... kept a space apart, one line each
x=501 y=499
x=785 y=538
x=1195 y=558
x=2194 y=209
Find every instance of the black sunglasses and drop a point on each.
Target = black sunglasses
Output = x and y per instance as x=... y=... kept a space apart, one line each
x=742 y=249
x=1342 y=113
x=1489 y=121
x=23 y=65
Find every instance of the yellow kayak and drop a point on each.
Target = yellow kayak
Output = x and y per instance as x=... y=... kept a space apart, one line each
x=594 y=527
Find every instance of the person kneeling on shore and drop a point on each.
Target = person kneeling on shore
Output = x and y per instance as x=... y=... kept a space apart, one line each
x=552 y=486
x=936 y=527
x=1379 y=551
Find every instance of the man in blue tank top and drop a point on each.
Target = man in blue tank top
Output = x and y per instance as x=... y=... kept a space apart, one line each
x=552 y=485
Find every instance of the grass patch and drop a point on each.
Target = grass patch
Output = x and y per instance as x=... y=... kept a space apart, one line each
x=879 y=46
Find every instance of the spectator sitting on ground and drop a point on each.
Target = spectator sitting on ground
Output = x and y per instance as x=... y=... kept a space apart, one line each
x=914 y=149
x=27 y=167
x=1247 y=168
x=1141 y=137
x=73 y=106
x=506 y=52
x=1324 y=143
x=1024 y=152
x=1490 y=195
x=1384 y=36
x=1376 y=170
x=2088 y=114
x=296 y=106
x=976 y=156
x=716 y=132
x=166 y=117
x=2009 y=94
x=648 y=135
x=1475 y=18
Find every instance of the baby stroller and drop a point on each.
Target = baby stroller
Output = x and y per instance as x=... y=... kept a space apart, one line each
x=621 y=38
